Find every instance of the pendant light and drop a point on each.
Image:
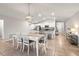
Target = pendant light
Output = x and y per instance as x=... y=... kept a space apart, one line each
x=28 y=17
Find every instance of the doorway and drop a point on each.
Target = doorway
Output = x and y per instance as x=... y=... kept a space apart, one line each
x=1 y=29
x=60 y=27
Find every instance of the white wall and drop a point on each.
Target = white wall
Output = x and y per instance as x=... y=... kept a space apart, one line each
x=15 y=26
x=73 y=21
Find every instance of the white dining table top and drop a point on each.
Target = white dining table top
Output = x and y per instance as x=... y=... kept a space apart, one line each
x=35 y=36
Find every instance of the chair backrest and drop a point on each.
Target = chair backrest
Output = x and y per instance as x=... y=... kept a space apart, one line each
x=19 y=38
x=25 y=39
x=46 y=38
x=12 y=36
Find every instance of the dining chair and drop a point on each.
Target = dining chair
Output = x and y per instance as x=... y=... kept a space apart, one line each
x=43 y=42
x=11 y=37
x=19 y=41
x=27 y=42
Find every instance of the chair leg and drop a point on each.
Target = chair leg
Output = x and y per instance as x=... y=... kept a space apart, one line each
x=23 y=48
x=34 y=45
x=13 y=42
x=45 y=48
x=28 y=50
x=17 y=45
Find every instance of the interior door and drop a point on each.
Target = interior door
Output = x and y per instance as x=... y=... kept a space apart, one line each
x=1 y=29
x=60 y=27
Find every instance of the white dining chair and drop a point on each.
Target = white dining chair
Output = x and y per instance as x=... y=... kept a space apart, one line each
x=27 y=42
x=11 y=37
x=43 y=42
x=19 y=41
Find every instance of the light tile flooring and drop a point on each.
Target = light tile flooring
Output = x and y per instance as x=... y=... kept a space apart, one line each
x=55 y=47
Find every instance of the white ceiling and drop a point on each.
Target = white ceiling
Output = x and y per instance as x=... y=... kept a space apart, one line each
x=20 y=10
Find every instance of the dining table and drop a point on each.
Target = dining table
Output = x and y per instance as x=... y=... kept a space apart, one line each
x=35 y=36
